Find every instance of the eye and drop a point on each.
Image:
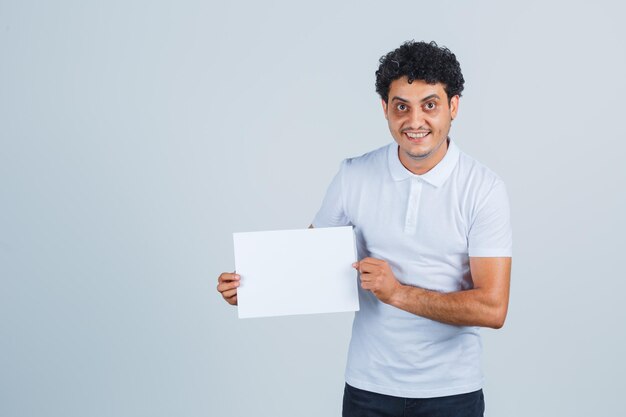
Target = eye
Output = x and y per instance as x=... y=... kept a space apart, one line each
x=430 y=106
x=401 y=107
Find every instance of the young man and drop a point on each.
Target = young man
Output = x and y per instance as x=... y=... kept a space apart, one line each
x=434 y=243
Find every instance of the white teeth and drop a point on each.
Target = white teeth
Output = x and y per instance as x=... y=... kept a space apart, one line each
x=417 y=135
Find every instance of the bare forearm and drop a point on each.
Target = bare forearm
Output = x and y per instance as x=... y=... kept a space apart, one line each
x=474 y=307
x=485 y=305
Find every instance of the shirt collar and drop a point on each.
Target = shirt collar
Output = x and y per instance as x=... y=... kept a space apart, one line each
x=436 y=176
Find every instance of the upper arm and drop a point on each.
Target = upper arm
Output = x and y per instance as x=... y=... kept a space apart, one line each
x=332 y=211
x=490 y=232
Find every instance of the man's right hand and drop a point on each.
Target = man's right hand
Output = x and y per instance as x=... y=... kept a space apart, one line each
x=227 y=285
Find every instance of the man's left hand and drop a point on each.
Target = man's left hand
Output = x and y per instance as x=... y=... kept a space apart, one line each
x=377 y=277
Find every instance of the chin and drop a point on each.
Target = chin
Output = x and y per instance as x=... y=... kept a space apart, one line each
x=418 y=152
x=418 y=156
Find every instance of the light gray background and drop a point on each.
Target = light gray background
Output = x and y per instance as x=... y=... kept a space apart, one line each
x=137 y=136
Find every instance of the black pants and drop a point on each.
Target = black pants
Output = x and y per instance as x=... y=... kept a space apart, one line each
x=360 y=403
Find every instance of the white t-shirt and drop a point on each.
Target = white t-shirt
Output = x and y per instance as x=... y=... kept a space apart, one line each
x=426 y=227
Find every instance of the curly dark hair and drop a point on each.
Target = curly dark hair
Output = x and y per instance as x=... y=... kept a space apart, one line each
x=420 y=61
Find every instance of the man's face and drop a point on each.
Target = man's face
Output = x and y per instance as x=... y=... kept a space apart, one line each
x=419 y=118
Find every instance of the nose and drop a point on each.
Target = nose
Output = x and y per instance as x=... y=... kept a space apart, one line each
x=416 y=118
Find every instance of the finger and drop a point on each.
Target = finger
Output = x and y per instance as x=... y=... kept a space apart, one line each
x=365 y=268
x=367 y=285
x=357 y=265
x=368 y=261
x=369 y=279
x=231 y=300
x=225 y=286
x=228 y=276
x=372 y=261
x=229 y=293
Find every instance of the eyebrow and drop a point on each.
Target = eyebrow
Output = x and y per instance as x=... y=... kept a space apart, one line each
x=430 y=97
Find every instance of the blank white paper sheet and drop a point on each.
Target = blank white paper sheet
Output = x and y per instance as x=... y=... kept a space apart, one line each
x=296 y=272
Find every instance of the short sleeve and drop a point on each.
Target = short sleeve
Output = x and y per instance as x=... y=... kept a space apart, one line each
x=490 y=233
x=332 y=212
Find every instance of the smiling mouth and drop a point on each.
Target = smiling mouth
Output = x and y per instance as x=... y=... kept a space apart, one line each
x=416 y=136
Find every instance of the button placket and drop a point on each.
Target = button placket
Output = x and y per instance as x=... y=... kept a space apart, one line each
x=412 y=207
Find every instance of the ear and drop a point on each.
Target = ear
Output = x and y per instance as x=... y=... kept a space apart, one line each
x=384 y=103
x=454 y=106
